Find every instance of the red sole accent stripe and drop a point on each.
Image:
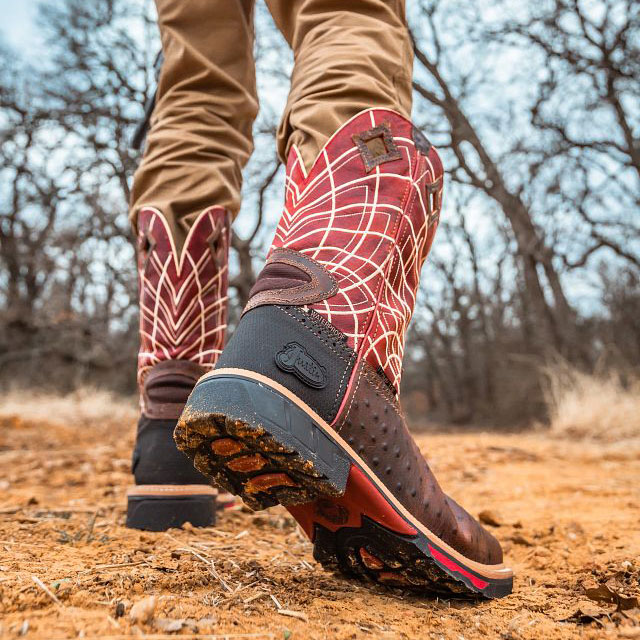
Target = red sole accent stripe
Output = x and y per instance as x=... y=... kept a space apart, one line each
x=360 y=498
x=454 y=566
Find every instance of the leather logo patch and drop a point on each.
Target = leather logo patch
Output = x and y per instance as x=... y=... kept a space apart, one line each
x=294 y=358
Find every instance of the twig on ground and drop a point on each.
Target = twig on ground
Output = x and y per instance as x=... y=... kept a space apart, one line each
x=294 y=614
x=255 y=596
x=46 y=589
x=211 y=566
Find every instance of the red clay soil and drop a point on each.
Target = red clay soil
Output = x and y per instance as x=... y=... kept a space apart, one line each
x=568 y=514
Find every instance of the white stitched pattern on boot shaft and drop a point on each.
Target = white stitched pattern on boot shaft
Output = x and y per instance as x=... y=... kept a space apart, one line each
x=183 y=299
x=372 y=231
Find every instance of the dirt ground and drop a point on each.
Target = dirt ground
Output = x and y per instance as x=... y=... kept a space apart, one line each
x=567 y=512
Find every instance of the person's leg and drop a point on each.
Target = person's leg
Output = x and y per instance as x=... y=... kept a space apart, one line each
x=302 y=407
x=200 y=135
x=185 y=194
x=348 y=56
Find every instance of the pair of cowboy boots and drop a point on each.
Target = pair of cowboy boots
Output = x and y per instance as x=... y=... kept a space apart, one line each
x=301 y=408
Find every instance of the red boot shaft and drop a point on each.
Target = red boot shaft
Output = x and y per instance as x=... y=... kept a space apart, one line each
x=183 y=297
x=371 y=229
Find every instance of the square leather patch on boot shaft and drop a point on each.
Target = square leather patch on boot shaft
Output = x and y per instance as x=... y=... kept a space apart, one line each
x=376 y=146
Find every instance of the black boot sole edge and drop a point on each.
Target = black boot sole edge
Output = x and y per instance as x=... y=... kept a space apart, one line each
x=171 y=506
x=253 y=438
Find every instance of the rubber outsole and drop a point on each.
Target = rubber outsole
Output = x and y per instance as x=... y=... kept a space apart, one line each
x=162 y=507
x=159 y=513
x=254 y=441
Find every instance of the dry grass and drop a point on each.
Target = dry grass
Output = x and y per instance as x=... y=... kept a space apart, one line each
x=83 y=406
x=596 y=407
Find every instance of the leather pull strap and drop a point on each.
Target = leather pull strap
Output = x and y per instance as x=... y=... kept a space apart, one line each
x=291 y=278
x=166 y=388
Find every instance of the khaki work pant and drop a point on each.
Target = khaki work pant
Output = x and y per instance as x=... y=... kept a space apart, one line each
x=349 y=55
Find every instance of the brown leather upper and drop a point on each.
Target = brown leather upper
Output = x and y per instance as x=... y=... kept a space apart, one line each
x=290 y=277
x=166 y=388
x=372 y=423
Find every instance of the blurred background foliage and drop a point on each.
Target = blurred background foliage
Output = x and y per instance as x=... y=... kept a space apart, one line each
x=534 y=107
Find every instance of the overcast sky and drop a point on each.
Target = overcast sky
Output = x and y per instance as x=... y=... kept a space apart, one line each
x=18 y=25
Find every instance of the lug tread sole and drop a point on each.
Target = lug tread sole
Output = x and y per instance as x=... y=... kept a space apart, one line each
x=281 y=475
x=375 y=555
x=162 y=512
x=286 y=476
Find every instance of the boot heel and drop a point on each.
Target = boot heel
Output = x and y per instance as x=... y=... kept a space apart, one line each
x=254 y=441
x=162 y=507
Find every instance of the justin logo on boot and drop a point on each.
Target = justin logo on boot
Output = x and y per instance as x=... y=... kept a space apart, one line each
x=294 y=358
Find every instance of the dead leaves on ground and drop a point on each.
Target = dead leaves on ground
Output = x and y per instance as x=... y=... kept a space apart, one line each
x=610 y=602
x=612 y=591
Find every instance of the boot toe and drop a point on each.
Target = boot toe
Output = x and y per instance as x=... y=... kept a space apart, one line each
x=472 y=539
